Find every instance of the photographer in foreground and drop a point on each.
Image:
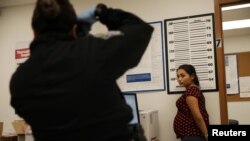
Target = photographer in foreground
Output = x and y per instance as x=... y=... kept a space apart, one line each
x=66 y=90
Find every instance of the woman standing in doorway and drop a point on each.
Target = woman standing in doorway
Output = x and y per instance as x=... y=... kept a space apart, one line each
x=192 y=120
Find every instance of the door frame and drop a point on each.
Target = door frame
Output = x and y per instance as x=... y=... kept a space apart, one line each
x=218 y=4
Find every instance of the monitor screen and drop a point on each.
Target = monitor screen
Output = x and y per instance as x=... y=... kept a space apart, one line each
x=131 y=100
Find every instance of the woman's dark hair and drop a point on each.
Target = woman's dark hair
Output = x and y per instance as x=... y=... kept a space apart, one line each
x=53 y=16
x=191 y=71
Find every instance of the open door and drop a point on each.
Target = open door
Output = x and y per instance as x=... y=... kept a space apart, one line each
x=220 y=55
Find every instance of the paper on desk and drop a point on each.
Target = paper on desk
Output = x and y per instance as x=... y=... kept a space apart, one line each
x=19 y=126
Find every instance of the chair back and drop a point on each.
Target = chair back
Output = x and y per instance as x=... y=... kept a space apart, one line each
x=1 y=129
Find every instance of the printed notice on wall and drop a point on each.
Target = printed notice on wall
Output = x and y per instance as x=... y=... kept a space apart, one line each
x=244 y=86
x=232 y=81
x=191 y=40
x=148 y=75
x=22 y=52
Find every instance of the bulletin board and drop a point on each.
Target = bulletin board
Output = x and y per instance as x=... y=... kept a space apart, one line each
x=191 y=40
x=148 y=75
x=243 y=70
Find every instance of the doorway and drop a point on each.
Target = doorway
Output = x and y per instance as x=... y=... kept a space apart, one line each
x=220 y=35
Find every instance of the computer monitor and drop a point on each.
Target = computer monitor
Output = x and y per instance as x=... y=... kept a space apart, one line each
x=131 y=99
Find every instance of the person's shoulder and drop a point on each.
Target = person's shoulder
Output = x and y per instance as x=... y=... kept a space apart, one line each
x=193 y=90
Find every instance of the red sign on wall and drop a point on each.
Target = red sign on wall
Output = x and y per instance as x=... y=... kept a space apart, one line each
x=22 y=53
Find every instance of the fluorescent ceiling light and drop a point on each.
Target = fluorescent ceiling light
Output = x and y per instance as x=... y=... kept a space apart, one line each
x=236 y=24
x=235 y=7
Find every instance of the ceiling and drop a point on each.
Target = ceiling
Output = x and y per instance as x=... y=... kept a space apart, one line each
x=229 y=15
x=236 y=14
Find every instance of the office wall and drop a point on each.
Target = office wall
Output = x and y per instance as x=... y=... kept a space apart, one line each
x=15 y=27
x=238 y=43
x=234 y=44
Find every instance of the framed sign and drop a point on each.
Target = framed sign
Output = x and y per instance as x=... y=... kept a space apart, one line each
x=148 y=75
x=191 y=40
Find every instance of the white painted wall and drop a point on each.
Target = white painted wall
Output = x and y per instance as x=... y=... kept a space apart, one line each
x=235 y=44
x=15 y=27
x=238 y=110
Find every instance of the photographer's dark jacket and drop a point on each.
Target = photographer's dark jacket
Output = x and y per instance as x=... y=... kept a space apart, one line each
x=68 y=86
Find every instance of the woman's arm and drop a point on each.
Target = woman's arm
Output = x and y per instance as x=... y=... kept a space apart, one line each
x=192 y=103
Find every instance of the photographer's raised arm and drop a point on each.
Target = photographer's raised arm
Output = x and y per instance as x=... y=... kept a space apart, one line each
x=126 y=50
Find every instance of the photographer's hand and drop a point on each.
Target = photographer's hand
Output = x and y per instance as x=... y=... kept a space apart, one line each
x=85 y=20
x=87 y=16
